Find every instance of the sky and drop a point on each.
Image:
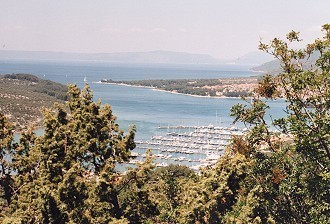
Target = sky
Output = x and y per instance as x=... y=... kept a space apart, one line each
x=221 y=28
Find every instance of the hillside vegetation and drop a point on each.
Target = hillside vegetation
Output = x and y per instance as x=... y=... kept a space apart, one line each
x=68 y=174
x=22 y=97
x=227 y=87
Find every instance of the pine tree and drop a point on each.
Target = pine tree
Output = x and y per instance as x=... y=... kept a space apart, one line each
x=6 y=182
x=69 y=171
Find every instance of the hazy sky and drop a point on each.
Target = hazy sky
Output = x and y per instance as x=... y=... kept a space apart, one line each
x=221 y=28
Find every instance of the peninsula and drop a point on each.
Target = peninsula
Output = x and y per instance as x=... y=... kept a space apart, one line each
x=224 y=87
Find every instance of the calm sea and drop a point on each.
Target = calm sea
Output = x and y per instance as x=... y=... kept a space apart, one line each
x=145 y=108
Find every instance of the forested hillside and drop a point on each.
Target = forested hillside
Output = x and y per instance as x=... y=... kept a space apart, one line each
x=68 y=174
x=226 y=87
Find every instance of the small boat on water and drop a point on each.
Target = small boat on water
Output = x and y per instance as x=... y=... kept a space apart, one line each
x=85 y=79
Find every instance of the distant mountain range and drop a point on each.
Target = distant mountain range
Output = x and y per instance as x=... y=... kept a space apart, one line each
x=150 y=57
x=167 y=57
x=254 y=58
x=273 y=67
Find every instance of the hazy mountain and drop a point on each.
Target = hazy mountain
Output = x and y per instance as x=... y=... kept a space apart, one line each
x=254 y=58
x=273 y=67
x=149 y=57
x=167 y=57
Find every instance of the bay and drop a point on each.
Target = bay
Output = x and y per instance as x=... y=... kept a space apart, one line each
x=146 y=108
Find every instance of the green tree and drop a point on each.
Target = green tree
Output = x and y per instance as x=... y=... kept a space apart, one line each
x=296 y=172
x=135 y=195
x=167 y=186
x=67 y=174
x=154 y=195
x=6 y=182
x=267 y=176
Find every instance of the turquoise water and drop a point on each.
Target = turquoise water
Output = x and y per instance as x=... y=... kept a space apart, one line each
x=146 y=108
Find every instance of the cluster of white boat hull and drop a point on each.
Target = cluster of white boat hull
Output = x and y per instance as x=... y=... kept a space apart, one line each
x=195 y=146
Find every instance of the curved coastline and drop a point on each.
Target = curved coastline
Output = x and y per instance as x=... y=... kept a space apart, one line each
x=161 y=90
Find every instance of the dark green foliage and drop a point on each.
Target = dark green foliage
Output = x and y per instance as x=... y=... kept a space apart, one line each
x=26 y=77
x=293 y=181
x=228 y=87
x=6 y=141
x=154 y=195
x=237 y=94
x=48 y=87
x=68 y=176
x=208 y=200
x=173 y=84
x=184 y=86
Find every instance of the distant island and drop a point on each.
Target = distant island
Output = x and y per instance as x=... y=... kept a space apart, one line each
x=22 y=97
x=225 y=87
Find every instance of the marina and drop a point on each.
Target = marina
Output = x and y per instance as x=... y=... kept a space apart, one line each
x=169 y=124
x=194 y=146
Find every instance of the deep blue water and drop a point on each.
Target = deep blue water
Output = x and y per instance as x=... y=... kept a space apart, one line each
x=145 y=107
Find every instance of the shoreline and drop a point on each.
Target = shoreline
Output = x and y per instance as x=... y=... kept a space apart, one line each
x=166 y=91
